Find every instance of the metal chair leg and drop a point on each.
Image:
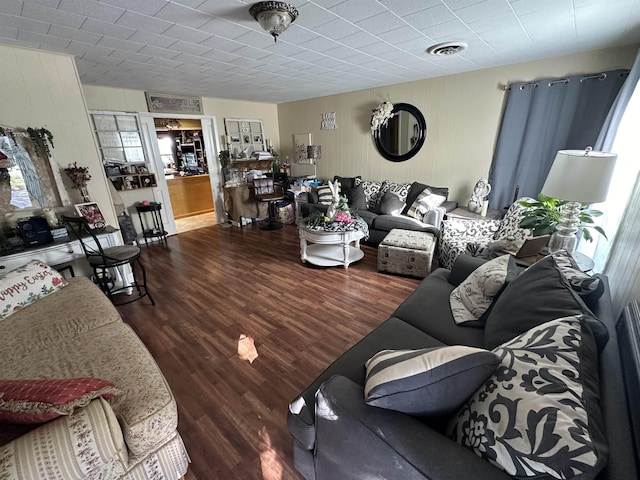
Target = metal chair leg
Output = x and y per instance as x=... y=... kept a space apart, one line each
x=144 y=281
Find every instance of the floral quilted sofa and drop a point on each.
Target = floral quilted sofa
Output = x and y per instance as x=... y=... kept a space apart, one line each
x=386 y=205
x=466 y=235
x=81 y=397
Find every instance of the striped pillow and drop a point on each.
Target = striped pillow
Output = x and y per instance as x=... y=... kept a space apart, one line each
x=427 y=200
x=325 y=197
x=429 y=381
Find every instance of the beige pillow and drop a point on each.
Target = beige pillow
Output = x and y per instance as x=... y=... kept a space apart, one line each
x=474 y=295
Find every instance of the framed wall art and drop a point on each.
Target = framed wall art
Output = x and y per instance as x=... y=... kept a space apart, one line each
x=91 y=212
x=300 y=142
x=247 y=136
x=166 y=103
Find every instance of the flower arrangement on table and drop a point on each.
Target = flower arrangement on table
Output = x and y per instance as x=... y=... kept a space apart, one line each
x=344 y=220
x=79 y=176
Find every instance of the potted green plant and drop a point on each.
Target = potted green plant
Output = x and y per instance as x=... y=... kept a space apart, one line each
x=542 y=217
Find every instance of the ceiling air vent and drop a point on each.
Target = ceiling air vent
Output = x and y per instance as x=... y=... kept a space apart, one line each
x=447 y=48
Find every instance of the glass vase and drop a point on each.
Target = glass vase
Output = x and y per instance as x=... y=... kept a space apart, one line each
x=85 y=194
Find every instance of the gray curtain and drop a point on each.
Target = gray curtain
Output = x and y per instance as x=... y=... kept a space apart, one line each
x=611 y=123
x=541 y=118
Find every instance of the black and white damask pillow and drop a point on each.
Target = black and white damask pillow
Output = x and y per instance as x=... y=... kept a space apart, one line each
x=510 y=224
x=401 y=190
x=474 y=295
x=371 y=192
x=538 y=415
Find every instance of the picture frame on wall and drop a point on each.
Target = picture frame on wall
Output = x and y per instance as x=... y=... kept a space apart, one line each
x=92 y=213
x=300 y=142
x=166 y=103
x=247 y=136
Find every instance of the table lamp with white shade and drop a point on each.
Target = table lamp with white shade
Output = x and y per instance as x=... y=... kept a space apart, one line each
x=578 y=177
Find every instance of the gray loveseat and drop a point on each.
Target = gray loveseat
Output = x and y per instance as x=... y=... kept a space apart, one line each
x=367 y=205
x=337 y=435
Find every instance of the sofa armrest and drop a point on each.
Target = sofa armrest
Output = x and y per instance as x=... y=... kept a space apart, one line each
x=434 y=217
x=88 y=443
x=449 y=205
x=462 y=268
x=356 y=441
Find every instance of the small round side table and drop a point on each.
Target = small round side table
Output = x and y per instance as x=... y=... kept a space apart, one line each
x=151 y=223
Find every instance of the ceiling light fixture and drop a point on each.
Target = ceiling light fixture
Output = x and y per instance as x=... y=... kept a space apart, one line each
x=447 y=48
x=274 y=17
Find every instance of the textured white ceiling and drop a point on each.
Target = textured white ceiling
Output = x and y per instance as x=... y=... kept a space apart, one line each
x=214 y=48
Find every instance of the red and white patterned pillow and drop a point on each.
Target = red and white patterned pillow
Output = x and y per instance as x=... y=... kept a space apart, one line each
x=41 y=400
x=26 y=284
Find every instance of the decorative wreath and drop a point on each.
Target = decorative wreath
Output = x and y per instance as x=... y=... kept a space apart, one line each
x=381 y=116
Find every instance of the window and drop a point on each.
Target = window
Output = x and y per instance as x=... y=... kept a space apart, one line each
x=118 y=137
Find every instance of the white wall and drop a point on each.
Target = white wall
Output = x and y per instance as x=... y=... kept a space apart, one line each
x=124 y=100
x=119 y=99
x=41 y=89
x=462 y=112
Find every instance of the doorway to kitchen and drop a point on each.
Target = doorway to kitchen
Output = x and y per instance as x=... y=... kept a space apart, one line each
x=185 y=151
x=186 y=171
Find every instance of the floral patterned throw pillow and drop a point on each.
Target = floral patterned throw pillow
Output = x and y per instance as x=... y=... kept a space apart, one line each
x=472 y=297
x=26 y=284
x=538 y=415
x=371 y=193
x=43 y=399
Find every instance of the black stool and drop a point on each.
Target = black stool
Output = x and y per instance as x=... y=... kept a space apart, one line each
x=103 y=259
x=155 y=229
x=265 y=191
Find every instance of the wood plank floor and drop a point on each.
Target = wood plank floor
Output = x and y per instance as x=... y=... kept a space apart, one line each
x=213 y=285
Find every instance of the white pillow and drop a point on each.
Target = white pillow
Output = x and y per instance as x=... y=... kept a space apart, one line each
x=474 y=295
x=26 y=284
x=427 y=200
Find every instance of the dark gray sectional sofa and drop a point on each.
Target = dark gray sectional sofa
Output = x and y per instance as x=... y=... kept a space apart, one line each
x=380 y=224
x=339 y=436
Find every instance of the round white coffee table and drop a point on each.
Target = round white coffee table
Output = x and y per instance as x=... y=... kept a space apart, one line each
x=329 y=249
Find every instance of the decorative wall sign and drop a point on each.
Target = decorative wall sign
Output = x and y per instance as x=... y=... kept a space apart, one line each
x=329 y=121
x=165 y=103
x=301 y=141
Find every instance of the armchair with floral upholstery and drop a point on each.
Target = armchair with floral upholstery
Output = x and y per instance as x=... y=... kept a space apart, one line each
x=470 y=236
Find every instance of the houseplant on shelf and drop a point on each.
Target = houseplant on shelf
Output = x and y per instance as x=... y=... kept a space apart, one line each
x=542 y=217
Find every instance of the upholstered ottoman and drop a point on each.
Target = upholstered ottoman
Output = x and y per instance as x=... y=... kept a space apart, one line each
x=406 y=252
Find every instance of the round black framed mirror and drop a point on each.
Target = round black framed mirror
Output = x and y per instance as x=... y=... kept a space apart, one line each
x=403 y=135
